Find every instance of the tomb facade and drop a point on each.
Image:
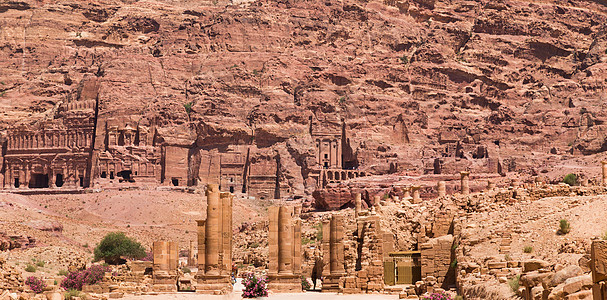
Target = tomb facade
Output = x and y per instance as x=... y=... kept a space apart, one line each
x=56 y=152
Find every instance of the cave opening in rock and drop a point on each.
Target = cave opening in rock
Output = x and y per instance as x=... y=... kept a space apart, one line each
x=39 y=181
x=125 y=174
x=59 y=180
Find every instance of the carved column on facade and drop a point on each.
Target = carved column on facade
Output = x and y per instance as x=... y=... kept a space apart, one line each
x=333 y=253
x=284 y=241
x=465 y=182
x=215 y=244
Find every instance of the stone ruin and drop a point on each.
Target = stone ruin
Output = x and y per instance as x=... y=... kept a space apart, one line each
x=598 y=264
x=215 y=244
x=164 y=270
x=284 y=242
x=333 y=254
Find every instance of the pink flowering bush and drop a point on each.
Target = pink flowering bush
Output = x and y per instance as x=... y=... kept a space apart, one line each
x=254 y=287
x=36 y=284
x=75 y=280
x=438 y=296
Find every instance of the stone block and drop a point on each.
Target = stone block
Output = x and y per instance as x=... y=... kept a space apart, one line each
x=116 y=295
x=575 y=284
x=581 y=295
x=497 y=264
x=534 y=264
x=598 y=258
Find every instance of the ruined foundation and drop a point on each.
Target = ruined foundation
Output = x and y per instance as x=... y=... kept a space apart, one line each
x=284 y=241
x=215 y=244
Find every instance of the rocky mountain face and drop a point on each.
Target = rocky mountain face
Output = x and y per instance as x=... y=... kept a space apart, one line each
x=422 y=86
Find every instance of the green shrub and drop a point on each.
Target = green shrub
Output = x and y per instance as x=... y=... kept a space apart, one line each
x=188 y=107
x=30 y=268
x=605 y=236
x=318 y=231
x=305 y=240
x=570 y=179
x=528 y=249
x=62 y=273
x=514 y=283
x=565 y=227
x=72 y=293
x=404 y=59
x=40 y=263
x=454 y=264
x=186 y=270
x=254 y=245
x=117 y=244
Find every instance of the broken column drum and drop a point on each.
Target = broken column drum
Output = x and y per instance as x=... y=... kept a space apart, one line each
x=416 y=197
x=357 y=205
x=215 y=244
x=465 y=182
x=442 y=188
x=284 y=242
x=333 y=253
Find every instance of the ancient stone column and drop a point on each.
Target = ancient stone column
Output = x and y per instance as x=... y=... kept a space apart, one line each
x=604 y=168
x=215 y=244
x=212 y=230
x=490 y=185
x=416 y=196
x=333 y=253
x=191 y=255
x=357 y=205
x=598 y=265
x=284 y=241
x=407 y=195
x=164 y=267
x=465 y=182
x=442 y=188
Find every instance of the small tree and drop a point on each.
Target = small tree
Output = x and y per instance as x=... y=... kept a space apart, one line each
x=117 y=244
x=570 y=179
x=565 y=227
x=514 y=283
